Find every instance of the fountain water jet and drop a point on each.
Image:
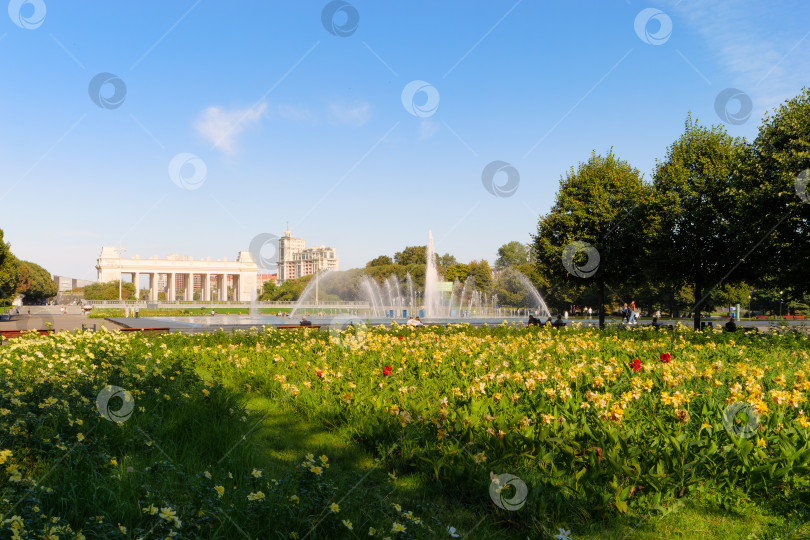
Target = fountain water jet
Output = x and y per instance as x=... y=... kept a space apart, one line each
x=432 y=300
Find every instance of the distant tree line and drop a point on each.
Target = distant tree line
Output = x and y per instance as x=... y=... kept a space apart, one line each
x=493 y=283
x=722 y=219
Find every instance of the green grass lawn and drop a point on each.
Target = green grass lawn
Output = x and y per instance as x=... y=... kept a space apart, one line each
x=285 y=436
x=103 y=313
x=243 y=434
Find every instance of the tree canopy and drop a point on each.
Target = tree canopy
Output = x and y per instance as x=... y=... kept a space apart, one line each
x=411 y=255
x=35 y=282
x=512 y=254
x=591 y=234
x=382 y=260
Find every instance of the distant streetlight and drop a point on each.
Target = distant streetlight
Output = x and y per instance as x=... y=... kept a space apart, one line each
x=780 y=303
x=120 y=273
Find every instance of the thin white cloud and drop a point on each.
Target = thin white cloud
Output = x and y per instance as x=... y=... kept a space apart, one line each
x=764 y=51
x=297 y=114
x=356 y=114
x=221 y=127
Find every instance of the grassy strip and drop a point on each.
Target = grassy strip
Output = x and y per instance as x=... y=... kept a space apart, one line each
x=103 y=313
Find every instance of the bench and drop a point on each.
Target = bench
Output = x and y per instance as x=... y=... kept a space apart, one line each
x=293 y=326
x=11 y=334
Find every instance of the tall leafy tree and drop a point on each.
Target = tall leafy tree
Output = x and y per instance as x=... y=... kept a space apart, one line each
x=411 y=255
x=482 y=273
x=512 y=254
x=593 y=235
x=776 y=198
x=382 y=260
x=693 y=216
x=9 y=273
x=457 y=272
x=35 y=282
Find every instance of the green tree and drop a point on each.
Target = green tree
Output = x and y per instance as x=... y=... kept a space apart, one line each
x=694 y=201
x=510 y=289
x=382 y=260
x=443 y=262
x=108 y=291
x=457 y=272
x=591 y=236
x=35 y=282
x=411 y=255
x=482 y=273
x=512 y=254
x=775 y=199
x=269 y=289
x=9 y=273
x=730 y=294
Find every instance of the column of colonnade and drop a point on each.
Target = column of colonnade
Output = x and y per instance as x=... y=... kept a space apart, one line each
x=221 y=281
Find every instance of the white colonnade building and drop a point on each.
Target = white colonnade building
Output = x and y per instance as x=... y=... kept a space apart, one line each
x=165 y=274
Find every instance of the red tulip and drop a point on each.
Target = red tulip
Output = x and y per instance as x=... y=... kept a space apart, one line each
x=666 y=357
x=387 y=371
x=319 y=374
x=636 y=364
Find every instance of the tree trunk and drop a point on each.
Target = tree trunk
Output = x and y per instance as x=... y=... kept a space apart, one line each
x=602 y=306
x=697 y=306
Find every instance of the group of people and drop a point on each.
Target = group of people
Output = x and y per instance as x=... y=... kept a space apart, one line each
x=134 y=311
x=630 y=314
x=534 y=321
x=414 y=321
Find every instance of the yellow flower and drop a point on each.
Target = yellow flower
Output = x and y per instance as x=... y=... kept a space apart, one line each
x=167 y=513
x=4 y=455
x=258 y=496
x=761 y=443
x=114 y=462
x=207 y=475
x=122 y=529
x=334 y=508
x=256 y=473
x=324 y=459
x=80 y=437
x=372 y=531
x=348 y=524
x=294 y=499
x=397 y=528
x=220 y=490
x=206 y=393
x=316 y=470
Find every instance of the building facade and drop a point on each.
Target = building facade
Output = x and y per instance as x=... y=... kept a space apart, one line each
x=179 y=272
x=296 y=260
x=68 y=284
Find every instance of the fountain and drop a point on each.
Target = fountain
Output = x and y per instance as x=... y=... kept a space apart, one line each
x=432 y=299
x=355 y=293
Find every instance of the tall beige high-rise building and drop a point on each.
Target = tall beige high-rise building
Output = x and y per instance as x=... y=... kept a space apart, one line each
x=296 y=260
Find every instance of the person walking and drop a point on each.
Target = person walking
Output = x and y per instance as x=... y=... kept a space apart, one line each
x=625 y=312
x=632 y=312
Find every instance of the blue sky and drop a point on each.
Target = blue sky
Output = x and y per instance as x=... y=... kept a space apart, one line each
x=296 y=124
